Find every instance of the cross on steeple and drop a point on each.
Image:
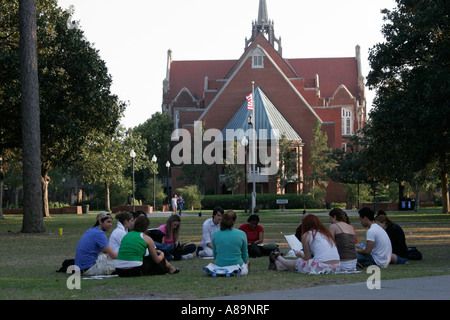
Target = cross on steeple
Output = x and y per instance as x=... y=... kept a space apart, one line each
x=264 y=25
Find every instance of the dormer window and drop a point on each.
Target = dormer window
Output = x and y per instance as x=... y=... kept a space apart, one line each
x=258 y=59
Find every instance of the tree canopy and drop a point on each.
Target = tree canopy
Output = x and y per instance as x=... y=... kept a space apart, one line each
x=409 y=124
x=74 y=86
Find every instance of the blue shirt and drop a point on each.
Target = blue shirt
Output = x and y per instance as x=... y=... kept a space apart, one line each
x=90 y=245
x=230 y=247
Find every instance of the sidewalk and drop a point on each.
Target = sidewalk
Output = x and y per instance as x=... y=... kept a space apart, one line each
x=427 y=288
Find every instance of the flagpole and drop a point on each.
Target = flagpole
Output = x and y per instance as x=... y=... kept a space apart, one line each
x=254 y=149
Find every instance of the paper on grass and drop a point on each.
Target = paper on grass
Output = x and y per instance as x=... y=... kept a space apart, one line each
x=294 y=243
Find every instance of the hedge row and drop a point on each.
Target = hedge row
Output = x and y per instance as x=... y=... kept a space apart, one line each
x=263 y=201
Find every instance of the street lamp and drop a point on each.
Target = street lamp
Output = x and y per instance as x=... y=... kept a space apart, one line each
x=154 y=182
x=133 y=155
x=244 y=143
x=168 y=191
x=253 y=120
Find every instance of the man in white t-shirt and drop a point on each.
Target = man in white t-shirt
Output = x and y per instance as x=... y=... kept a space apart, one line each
x=378 y=250
x=210 y=226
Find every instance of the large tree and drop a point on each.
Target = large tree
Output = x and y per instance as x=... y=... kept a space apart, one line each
x=409 y=71
x=75 y=96
x=29 y=84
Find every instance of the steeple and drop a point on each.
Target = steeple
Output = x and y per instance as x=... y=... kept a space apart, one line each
x=265 y=26
x=262 y=12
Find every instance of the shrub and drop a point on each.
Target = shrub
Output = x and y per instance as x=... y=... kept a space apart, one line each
x=263 y=201
x=191 y=195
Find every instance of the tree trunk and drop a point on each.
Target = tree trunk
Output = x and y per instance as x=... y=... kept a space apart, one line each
x=107 y=205
x=45 y=181
x=1 y=185
x=445 y=196
x=31 y=134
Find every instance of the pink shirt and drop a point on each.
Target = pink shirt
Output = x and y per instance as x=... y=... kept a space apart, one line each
x=166 y=240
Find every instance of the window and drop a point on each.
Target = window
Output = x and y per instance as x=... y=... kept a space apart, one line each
x=258 y=62
x=258 y=59
x=346 y=122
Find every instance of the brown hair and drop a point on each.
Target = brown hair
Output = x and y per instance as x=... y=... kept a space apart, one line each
x=141 y=224
x=384 y=219
x=339 y=214
x=123 y=216
x=228 y=220
x=169 y=230
x=311 y=223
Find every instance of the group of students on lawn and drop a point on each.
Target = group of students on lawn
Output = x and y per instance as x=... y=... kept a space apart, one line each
x=133 y=250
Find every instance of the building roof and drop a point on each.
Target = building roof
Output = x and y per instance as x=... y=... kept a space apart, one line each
x=267 y=117
x=191 y=75
x=332 y=72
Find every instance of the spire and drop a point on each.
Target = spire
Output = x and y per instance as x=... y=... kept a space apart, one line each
x=265 y=26
x=262 y=12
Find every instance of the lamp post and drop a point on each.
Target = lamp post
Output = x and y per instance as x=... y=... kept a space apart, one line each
x=154 y=183
x=133 y=155
x=168 y=192
x=254 y=149
x=244 y=143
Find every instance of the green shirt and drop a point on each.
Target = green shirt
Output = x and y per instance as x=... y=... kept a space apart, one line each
x=230 y=247
x=132 y=247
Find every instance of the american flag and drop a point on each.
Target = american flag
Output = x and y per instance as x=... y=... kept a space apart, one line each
x=250 y=101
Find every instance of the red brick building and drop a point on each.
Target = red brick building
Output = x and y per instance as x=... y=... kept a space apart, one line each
x=298 y=93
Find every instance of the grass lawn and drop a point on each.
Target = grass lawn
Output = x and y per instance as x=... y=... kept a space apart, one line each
x=28 y=261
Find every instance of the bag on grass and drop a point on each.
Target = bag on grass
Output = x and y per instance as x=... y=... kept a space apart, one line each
x=66 y=263
x=414 y=254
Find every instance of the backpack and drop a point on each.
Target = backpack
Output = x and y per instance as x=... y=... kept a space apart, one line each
x=414 y=254
x=66 y=263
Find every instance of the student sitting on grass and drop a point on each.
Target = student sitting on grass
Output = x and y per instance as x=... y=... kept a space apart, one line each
x=171 y=229
x=397 y=237
x=378 y=250
x=317 y=240
x=94 y=256
x=125 y=222
x=230 y=244
x=131 y=260
x=210 y=226
x=345 y=236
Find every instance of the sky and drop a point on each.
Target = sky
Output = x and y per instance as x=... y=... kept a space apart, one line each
x=133 y=37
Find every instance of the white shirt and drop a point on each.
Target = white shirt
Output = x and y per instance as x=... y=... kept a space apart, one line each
x=208 y=230
x=322 y=249
x=116 y=236
x=382 y=250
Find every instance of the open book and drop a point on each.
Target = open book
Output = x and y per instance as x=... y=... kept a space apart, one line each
x=294 y=243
